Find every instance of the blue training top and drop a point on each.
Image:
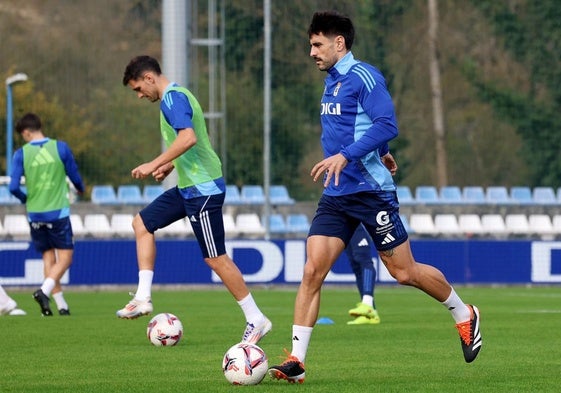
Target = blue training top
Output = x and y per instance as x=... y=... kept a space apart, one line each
x=358 y=119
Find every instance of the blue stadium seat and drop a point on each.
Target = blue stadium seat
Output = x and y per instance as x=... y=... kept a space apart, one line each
x=426 y=194
x=405 y=222
x=252 y=195
x=277 y=224
x=544 y=196
x=498 y=195
x=232 y=195
x=297 y=223
x=104 y=195
x=473 y=195
x=6 y=198
x=451 y=195
x=278 y=195
x=405 y=196
x=129 y=194
x=151 y=192
x=521 y=195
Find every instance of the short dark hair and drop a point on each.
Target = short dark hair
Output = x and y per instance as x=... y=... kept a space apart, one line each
x=332 y=23
x=139 y=65
x=29 y=121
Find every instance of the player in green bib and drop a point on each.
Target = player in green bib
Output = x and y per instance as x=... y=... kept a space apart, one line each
x=45 y=163
x=199 y=194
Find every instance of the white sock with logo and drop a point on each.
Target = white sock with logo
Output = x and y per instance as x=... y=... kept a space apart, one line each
x=300 y=340
x=460 y=312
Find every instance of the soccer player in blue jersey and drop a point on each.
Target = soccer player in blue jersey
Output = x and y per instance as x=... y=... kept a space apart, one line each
x=199 y=194
x=358 y=120
x=46 y=163
x=359 y=253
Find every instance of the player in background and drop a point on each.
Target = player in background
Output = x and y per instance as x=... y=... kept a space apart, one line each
x=199 y=194
x=359 y=253
x=8 y=306
x=358 y=120
x=46 y=163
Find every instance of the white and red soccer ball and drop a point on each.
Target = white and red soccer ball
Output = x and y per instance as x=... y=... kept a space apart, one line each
x=164 y=329
x=245 y=364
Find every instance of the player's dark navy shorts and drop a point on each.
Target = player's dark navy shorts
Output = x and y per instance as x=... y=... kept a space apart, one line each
x=378 y=211
x=204 y=213
x=52 y=235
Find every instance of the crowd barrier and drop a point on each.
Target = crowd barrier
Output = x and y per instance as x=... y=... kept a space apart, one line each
x=107 y=262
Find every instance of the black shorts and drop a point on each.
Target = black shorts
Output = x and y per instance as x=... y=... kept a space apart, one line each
x=204 y=213
x=52 y=235
x=378 y=211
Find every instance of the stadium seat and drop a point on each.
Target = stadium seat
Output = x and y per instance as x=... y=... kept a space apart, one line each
x=405 y=196
x=541 y=224
x=180 y=228
x=98 y=225
x=278 y=195
x=521 y=195
x=470 y=224
x=17 y=226
x=473 y=195
x=252 y=195
x=151 y=192
x=447 y=224
x=450 y=195
x=249 y=225
x=230 y=229
x=2 y=230
x=6 y=198
x=517 y=224
x=297 y=223
x=544 y=196
x=493 y=224
x=422 y=224
x=78 y=228
x=556 y=221
x=121 y=224
x=497 y=195
x=130 y=194
x=232 y=195
x=277 y=224
x=406 y=225
x=104 y=195
x=426 y=194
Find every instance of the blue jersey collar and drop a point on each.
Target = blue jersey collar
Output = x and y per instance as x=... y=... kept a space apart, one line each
x=343 y=65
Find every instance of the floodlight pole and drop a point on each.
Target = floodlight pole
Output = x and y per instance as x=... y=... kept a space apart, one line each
x=20 y=77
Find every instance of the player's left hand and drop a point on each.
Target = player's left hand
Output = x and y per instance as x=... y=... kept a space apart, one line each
x=142 y=171
x=332 y=167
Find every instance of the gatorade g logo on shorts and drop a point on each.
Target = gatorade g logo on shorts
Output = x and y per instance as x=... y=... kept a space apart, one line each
x=382 y=218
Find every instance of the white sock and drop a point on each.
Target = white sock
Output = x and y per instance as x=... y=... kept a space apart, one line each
x=460 y=312
x=144 y=290
x=48 y=286
x=250 y=310
x=4 y=298
x=59 y=300
x=368 y=300
x=300 y=340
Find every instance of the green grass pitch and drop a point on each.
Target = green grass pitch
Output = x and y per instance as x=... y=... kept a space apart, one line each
x=414 y=349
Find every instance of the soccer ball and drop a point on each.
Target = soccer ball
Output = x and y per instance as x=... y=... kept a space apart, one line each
x=164 y=329
x=245 y=364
